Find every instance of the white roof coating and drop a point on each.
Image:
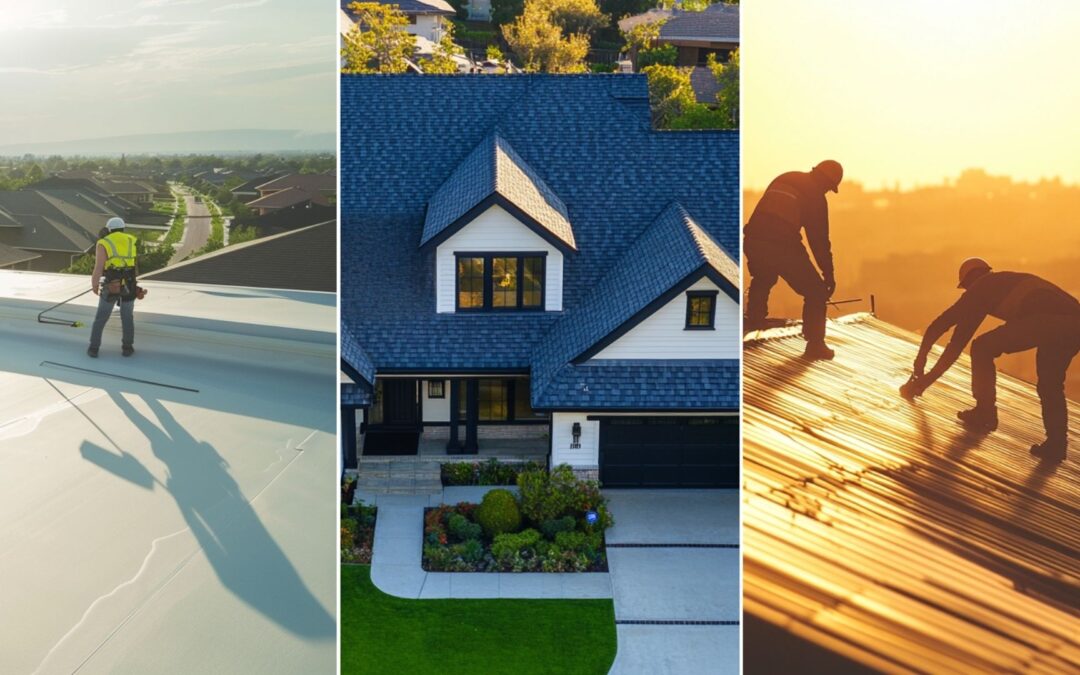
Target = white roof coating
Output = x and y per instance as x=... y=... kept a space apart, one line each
x=184 y=525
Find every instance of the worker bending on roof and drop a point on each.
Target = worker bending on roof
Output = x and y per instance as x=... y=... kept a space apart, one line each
x=1038 y=315
x=114 y=261
x=794 y=201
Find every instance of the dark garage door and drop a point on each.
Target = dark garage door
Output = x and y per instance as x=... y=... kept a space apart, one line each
x=669 y=452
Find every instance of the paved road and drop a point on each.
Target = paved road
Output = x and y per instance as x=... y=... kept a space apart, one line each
x=196 y=230
x=672 y=558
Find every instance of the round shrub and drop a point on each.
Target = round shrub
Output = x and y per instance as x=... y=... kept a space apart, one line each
x=498 y=513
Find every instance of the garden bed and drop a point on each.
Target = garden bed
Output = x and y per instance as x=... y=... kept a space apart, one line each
x=556 y=524
x=357 y=532
x=488 y=472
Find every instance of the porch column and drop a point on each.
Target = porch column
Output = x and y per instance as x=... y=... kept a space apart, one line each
x=348 y=436
x=453 y=445
x=472 y=416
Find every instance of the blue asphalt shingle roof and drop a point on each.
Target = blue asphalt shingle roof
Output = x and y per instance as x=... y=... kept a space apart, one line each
x=588 y=136
x=355 y=357
x=674 y=384
x=673 y=250
x=493 y=168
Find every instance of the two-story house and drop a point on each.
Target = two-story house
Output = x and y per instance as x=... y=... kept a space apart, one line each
x=555 y=272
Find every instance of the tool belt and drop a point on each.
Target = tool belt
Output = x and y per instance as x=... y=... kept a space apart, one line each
x=120 y=282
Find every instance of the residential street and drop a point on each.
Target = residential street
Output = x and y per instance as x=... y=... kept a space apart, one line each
x=196 y=230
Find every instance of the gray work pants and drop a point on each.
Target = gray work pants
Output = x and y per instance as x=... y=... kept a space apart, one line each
x=104 y=310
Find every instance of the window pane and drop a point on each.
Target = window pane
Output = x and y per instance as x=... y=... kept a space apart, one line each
x=493 y=400
x=470 y=272
x=531 y=285
x=504 y=282
x=700 y=310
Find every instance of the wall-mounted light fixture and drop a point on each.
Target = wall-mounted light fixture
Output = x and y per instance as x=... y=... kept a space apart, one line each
x=575 y=431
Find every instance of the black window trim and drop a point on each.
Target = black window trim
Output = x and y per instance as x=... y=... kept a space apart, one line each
x=488 y=257
x=712 y=295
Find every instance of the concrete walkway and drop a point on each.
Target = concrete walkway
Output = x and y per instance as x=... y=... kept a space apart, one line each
x=397 y=550
x=674 y=567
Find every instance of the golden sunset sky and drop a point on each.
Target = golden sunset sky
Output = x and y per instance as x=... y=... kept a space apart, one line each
x=911 y=92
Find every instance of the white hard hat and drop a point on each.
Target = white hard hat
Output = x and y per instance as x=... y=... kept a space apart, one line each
x=968 y=268
x=114 y=224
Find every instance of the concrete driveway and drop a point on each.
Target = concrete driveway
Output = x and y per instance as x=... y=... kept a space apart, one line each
x=673 y=558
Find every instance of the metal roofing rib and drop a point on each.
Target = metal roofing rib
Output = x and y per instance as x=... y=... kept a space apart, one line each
x=879 y=530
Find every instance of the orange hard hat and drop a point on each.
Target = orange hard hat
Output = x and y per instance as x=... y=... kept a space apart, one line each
x=970 y=270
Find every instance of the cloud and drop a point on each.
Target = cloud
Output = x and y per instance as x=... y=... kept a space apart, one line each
x=240 y=5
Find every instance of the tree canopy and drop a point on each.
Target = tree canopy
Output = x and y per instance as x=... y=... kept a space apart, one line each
x=378 y=42
x=552 y=36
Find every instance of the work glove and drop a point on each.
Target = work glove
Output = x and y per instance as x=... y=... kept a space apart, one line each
x=140 y=292
x=914 y=387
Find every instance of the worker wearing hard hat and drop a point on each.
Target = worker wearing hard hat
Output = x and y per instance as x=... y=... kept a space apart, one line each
x=115 y=265
x=1038 y=315
x=794 y=201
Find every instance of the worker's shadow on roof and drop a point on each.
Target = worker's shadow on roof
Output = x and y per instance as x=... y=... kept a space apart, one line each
x=241 y=551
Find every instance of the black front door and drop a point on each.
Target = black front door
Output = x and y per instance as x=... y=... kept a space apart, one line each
x=400 y=407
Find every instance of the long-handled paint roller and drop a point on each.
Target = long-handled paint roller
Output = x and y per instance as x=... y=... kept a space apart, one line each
x=61 y=322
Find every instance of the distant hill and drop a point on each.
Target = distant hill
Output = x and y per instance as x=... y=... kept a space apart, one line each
x=225 y=141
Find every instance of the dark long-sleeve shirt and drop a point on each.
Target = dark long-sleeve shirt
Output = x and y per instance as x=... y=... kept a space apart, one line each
x=795 y=201
x=1005 y=295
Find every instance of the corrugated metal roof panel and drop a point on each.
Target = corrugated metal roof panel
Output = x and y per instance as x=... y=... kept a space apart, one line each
x=882 y=531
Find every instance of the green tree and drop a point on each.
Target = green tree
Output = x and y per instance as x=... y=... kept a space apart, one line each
x=540 y=41
x=618 y=9
x=642 y=36
x=378 y=43
x=505 y=11
x=442 y=60
x=670 y=93
x=576 y=17
x=664 y=55
x=727 y=99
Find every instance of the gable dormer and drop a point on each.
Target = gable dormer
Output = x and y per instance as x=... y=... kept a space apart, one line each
x=500 y=234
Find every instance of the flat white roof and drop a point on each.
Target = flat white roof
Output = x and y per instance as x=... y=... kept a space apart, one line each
x=176 y=507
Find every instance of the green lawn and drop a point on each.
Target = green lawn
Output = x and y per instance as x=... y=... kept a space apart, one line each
x=384 y=634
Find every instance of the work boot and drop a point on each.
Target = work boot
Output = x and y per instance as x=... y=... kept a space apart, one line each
x=92 y=352
x=1049 y=451
x=818 y=351
x=982 y=420
x=127 y=350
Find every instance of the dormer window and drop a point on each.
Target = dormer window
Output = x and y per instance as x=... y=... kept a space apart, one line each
x=500 y=281
x=700 y=310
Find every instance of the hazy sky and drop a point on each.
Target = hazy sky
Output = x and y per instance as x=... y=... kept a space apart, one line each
x=72 y=69
x=911 y=91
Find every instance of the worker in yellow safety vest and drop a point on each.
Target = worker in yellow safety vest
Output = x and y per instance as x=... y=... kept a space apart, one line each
x=113 y=281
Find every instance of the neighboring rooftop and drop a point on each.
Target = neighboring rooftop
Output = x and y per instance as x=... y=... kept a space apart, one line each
x=150 y=506
x=716 y=23
x=10 y=256
x=303 y=259
x=878 y=532
x=409 y=7
x=309 y=182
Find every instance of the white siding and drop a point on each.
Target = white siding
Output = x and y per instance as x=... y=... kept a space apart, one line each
x=588 y=455
x=663 y=334
x=436 y=409
x=428 y=26
x=496 y=230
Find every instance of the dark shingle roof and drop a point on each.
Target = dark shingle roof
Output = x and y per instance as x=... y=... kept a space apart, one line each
x=288 y=197
x=590 y=139
x=673 y=384
x=302 y=260
x=718 y=22
x=493 y=168
x=354 y=359
x=9 y=255
x=311 y=182
x=670 y=255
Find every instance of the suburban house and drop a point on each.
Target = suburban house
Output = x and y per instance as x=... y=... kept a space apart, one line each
x=479 y=10
x=536 y=282
x=427 y=18
x=12 y=258
x=295 y=189
x=54 y=226
x=697 y=35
